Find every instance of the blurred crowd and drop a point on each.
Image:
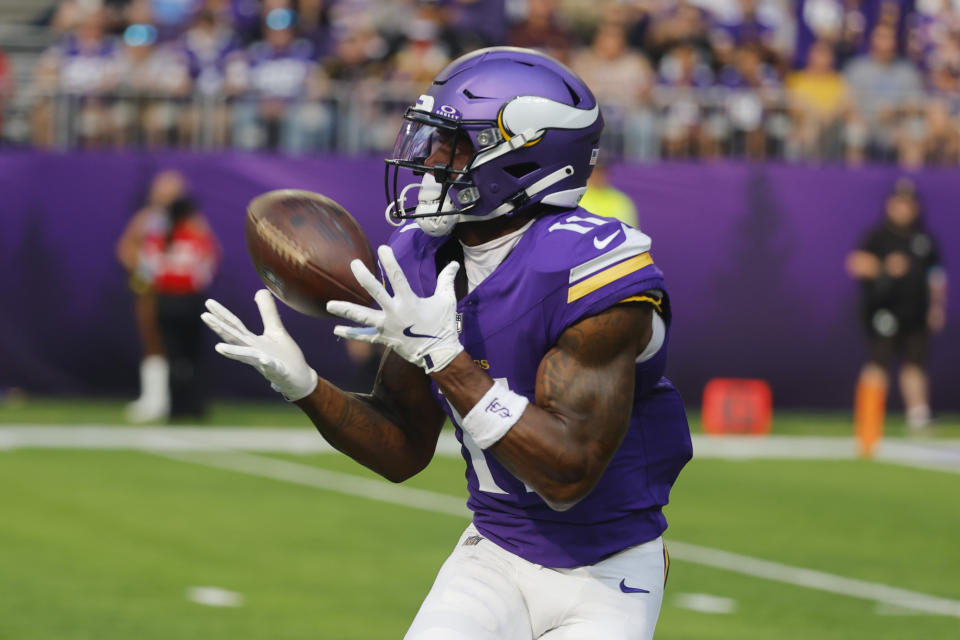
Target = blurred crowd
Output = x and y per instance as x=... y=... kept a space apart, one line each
x=802 y=80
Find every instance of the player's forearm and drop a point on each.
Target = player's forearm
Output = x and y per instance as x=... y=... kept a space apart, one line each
x=363 y=429
x=542 y=451
x=541 y=448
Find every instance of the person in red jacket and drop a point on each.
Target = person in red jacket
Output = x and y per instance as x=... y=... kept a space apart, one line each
x=153 y=403
x=179 y=258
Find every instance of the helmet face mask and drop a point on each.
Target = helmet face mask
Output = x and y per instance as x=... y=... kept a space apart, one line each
x=440 y=151
x=500 y=129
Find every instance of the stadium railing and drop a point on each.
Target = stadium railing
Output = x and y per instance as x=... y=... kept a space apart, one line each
x=363 y=117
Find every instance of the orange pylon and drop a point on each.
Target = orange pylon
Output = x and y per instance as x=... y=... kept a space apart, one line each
x=868 y=415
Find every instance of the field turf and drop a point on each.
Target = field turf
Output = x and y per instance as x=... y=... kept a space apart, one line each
x=107 y=544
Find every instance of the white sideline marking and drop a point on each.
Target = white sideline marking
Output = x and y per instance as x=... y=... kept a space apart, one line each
x=345 y=483
x=439 y=503
x=812 y=579
x=705 y=603
x=884 y=609
x=214 y=597
x=938 y=455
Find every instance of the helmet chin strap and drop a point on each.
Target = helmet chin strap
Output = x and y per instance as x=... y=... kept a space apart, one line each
x=440 y=225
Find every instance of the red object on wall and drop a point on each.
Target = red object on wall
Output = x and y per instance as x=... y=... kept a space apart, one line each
x=737 y=406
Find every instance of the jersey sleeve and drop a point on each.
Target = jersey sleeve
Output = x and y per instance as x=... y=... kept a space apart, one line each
x=610 y=264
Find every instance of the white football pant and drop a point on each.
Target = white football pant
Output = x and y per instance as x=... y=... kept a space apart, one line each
x=484 y=592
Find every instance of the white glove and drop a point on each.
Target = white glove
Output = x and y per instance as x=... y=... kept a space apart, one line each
x=421 y=330
x=274 y=354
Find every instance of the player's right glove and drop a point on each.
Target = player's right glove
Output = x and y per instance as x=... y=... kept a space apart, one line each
x=273 y=353
x=422 y=331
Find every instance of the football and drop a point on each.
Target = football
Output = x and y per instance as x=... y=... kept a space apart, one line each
x=301 y=243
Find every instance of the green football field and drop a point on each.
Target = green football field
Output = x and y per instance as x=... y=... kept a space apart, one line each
x=222 y=544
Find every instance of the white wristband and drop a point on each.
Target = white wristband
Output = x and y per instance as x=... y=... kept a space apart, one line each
x=495 y=414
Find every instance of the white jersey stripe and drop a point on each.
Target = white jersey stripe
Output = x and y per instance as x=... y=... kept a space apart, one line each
x=633 y=244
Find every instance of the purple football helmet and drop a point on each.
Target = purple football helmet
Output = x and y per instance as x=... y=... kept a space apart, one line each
x=526 y=127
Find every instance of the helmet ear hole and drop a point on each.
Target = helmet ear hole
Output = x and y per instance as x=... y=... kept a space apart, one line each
x=521 y=169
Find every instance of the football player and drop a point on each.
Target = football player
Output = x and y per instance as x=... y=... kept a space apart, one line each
x=540 y=330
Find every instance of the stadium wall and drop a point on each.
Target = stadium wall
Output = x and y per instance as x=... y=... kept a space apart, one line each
x=753 y=255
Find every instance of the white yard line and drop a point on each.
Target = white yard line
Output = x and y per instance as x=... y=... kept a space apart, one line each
x=941 y=455
x=306 y=475
x=819 y=580
x=439 y=503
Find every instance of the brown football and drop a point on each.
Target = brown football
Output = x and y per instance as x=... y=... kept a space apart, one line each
x=301 y=244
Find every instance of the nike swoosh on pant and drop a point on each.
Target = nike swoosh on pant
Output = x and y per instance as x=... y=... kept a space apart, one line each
x=626 y=589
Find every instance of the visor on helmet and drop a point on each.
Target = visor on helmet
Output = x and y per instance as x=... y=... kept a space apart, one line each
x=428 y=144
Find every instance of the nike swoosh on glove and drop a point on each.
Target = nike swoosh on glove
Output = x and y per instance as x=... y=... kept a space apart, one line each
x=421 y=330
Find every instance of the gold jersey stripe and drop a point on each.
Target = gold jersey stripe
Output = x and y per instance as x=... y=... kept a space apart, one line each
x=657 y=304
x=605 y=277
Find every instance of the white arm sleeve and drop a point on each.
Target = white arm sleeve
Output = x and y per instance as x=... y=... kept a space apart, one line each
x=656 y=339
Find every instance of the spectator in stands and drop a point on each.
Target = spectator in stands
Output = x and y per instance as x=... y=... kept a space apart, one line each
x=622 y=80
x=359 y=52
x=479 y=23
x=943 y=66
x=930 y=135
x=684 y=77
x=883 y=86
x=934 y=24
x=541 y=29
x=684 y=24
x=761 y=24
x=313 y=23
x=281 y=84
x=79 y=71
x=818 y=98
x=153 y=84
x=171 y=17
x=638 y=19
x=903 y=298
x=422 y=55
x=749 y=103
x=210 y=45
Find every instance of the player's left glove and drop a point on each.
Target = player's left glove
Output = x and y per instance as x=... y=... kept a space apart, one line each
x=421 y=330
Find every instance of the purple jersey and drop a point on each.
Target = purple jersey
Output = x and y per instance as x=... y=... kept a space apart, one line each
x=86 y=68
x=566 y=266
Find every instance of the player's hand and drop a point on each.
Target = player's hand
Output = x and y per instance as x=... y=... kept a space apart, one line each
x=273 y=353
x=421 y=330
x=896 y=264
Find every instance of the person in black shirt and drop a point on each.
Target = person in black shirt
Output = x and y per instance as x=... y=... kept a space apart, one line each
x=903 y=297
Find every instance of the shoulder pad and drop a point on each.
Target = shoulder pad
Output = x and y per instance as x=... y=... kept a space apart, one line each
x=581 y=244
